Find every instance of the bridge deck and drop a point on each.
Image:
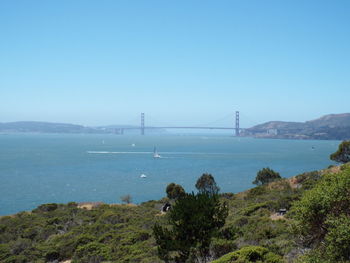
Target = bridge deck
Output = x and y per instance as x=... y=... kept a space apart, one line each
x=180 y=127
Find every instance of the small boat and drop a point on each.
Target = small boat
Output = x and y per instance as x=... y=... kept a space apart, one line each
x=143 y=176
x=155 y=153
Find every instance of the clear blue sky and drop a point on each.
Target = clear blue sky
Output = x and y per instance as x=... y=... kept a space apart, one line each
x=180 y=62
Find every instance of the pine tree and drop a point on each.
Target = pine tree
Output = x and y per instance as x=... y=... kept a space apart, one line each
x=194 y=220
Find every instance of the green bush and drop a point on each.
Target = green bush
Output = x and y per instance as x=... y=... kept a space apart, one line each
x=92 y=252
x=250 y=254
x=256 y=191
x=342 y=155
x=20 y=245
x=230 y=232
x=111 y=217
x=52 y=255
x=338 y=238
x=46 y=207
x=322 y=216
x=4 y=251
x=308 y=179
x=221 y=247
x=16 y=259
x=252 y=208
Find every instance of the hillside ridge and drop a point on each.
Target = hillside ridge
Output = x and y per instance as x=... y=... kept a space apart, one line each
x=327 y=127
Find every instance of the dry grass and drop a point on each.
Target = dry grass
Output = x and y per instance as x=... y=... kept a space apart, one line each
x=332 y=170
x=89 y=205
x=130 y=205
x=92 y=205
x=277 y=216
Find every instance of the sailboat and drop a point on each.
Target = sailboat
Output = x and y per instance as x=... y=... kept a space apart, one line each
x=155 y=153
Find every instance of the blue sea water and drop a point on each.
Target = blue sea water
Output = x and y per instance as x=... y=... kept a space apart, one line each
x=45 y=168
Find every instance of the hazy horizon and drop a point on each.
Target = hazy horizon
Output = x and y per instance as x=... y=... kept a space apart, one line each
x=181 y=63
x=197 y=124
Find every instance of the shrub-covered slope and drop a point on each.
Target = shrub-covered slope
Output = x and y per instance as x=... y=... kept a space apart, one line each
x=123 y=233
x=52 y=232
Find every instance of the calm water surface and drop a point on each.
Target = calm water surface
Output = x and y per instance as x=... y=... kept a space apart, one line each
x=36 y=169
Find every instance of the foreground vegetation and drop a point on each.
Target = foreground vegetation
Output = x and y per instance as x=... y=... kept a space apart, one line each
x=123 y=233
x=52 y=232
x=252 y=226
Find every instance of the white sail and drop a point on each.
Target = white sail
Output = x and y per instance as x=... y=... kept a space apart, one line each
x=155 y=153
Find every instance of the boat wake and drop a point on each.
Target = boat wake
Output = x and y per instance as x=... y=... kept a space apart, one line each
x=167 y=153
x=104 y=152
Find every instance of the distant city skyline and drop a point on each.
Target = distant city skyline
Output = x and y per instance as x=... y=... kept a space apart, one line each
x=180 y=62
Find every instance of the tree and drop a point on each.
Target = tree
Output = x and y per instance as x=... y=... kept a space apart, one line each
x=265 y=176
x=322 y=218
x=206 y=184
x=342 y=155
x=194 y=220
x=126 y=198
x=174 y=191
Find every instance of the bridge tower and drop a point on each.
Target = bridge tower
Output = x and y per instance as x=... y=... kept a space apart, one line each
x=142 y=123
x=237 y=124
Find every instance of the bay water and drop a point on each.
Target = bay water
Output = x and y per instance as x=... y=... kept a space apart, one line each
x=60 y=168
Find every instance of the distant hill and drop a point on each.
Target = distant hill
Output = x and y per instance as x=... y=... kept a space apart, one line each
x=49 y=127
x=45 y=127
x=328 y=127
x=331 y=120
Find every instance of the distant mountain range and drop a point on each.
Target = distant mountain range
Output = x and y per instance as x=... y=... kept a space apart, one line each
x=44 y=127
x=328 y=127
x=49 y=127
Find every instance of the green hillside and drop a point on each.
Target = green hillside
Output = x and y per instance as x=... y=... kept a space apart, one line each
x=123 y=233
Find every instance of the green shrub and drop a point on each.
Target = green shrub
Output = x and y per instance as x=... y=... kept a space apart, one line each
x=308 y=179
x=250 y=254
x=342 y=155
x=252 y=208
x=322 y=216
x=230 y=232
x=2 y=228
x=92 y=252
x=46 y=208
x=330 y=197
x=241 y=221
x=4 y=251
x=338 y=238
x=83 y=239
x=72 y=204
x=52 y=255
x=112 y=217
x=20 y=245
x=221 y=247
x=256 y=191
x=16 y=259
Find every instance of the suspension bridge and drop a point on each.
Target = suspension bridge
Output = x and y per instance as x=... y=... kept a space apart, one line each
x=236 y=129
